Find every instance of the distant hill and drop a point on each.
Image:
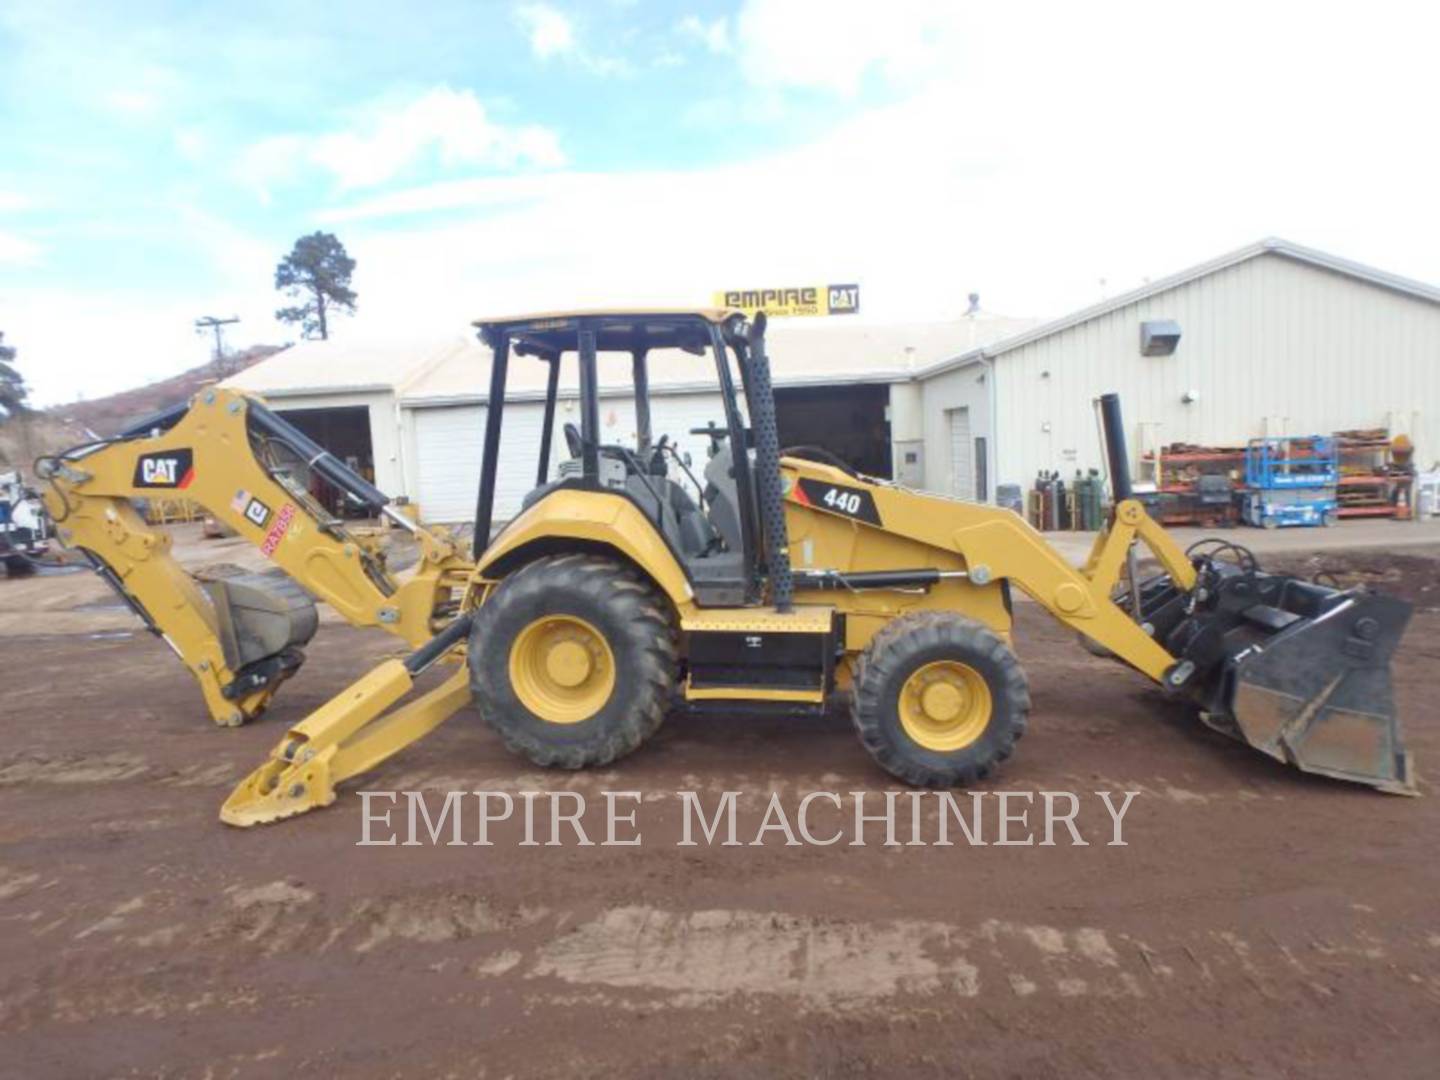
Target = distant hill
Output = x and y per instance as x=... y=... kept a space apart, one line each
x=25 y=437
x=107 y=415
x=47 y=431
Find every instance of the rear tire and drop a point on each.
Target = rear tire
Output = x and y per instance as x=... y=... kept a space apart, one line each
x=979 y=707
x=573 y=661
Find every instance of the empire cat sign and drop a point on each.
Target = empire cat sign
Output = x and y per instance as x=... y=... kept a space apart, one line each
x=805 y=300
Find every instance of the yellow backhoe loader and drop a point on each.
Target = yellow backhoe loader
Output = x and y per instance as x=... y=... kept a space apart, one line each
x=627 y=582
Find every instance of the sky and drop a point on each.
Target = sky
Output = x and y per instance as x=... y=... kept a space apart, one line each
x=158 y=159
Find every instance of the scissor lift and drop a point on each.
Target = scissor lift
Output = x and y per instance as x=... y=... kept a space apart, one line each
x=1291 y=480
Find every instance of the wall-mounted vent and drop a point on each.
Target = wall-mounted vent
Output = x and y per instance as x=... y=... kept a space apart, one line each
x=1159 y=337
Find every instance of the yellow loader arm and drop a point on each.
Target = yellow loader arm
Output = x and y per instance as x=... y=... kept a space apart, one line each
x=974 y=548
x=239 y=638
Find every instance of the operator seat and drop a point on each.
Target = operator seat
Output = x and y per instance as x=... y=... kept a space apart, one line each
x=722 y=496
x=662 y=500
x=696 y=535
x=684 y=524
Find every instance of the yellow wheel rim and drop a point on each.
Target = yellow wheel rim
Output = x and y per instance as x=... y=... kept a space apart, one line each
x=945 y=706
x=562 y=669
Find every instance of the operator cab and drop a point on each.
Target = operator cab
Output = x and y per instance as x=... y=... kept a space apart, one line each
x=707 y=517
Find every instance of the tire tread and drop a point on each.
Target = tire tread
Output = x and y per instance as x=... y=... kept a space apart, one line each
x=879 y=665
x=630 y=602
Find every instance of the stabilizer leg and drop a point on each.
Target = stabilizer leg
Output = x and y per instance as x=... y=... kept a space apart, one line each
x=350 y=734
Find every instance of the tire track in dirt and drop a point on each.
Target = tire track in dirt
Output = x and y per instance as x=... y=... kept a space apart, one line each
x=643 y=956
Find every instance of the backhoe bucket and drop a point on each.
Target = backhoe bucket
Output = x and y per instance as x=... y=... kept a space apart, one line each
x=1300 y=672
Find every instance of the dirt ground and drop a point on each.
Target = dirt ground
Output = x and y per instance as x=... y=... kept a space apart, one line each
x=1259 y=923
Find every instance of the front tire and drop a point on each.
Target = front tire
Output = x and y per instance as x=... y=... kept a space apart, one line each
x=573 y=661
x=940 y=700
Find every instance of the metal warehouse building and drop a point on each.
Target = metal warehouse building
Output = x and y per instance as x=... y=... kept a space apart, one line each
x=343 y=396
x=412 y=416
x=1271 y=339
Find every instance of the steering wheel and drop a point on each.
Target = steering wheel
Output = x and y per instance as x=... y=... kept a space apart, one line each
x=573 y=442
x=717 y=435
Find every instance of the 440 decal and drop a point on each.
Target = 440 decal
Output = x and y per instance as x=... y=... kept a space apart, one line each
x=851 y=502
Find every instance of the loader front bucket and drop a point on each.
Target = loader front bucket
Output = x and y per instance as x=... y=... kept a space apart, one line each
x=1299 y=671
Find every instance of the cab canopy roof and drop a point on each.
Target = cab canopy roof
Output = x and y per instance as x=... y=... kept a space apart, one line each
x=551 y=333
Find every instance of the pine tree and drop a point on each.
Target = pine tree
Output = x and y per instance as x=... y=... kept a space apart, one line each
x=319 y=270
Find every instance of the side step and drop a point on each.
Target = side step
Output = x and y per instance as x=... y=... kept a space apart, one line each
x=749 y=654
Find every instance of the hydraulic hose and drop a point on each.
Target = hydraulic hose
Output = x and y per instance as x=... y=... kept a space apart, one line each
x=317 y=457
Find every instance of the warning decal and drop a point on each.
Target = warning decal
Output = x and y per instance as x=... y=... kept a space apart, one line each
x=277 y=531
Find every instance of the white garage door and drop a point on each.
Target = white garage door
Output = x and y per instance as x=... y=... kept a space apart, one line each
x=447 y=461
x=962 y=466
x=449 y=441
x=448 y=445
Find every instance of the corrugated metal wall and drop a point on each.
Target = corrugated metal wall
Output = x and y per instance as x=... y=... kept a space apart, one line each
x=968 y=388
x=1312 y=350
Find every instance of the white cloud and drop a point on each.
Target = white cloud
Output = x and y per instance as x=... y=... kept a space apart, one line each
x=134 y=102
x=142 y=92
x=1025 y=168
x=553 y=34
x=84 y=341
x=191 y=143
x=452 y=125
x=13 y=202
x=714 y=35
x=550 y=31
x=833 y=45
x=15 y=250
x=481 y=193
x=272 y=160
x=239 y=257
x=123 y=340
x=1025 y=165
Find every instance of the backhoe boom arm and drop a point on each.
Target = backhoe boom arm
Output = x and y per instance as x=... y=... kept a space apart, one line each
x=213 y=453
